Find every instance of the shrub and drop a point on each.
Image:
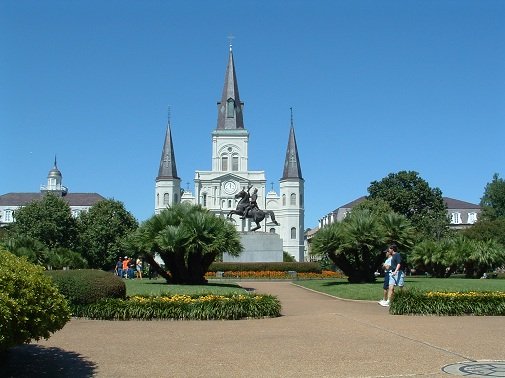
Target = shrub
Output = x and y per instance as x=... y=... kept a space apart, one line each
x=30 y=305
x=300 y=267
x=88 y=285
x=188 y=307
x=416 y=302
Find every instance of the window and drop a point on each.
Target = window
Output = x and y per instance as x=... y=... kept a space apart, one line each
x=472 y=218
x=204 y=199
x=176 y=198
x=166 y=198
x=234 y=163
x=456 y=218
x=292 y=199
x=229 y=203
x=7 y=216
x=301 y=200
x=230 y=108
x=283 y=200
x=272 y=230
x=75 y=213
x=224 y=163
x=157 y=199
x=293 y=233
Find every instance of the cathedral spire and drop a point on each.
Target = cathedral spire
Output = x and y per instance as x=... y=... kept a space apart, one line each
x=168 y=168
x=230 y=106
x=292 y=168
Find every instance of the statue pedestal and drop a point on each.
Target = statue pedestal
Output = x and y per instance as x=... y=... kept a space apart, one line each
x=258 y=247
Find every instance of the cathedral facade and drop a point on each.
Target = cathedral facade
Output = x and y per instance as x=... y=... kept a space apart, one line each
x=216 y=189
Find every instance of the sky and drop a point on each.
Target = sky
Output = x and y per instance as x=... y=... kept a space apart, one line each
x=376 y=87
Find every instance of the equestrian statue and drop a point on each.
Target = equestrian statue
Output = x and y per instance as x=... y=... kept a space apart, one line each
x=247 y=207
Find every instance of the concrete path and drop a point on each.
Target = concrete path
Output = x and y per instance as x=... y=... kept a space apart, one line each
x=317 y=336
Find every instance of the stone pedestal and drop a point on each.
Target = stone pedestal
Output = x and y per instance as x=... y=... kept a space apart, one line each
x=258 y=247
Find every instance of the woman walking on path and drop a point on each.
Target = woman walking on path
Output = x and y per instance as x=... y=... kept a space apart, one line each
x=387 y=268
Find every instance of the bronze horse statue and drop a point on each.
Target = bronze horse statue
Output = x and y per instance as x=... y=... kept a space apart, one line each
x=255 y=214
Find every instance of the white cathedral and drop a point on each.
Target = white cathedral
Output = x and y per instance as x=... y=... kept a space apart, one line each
x=216 y=189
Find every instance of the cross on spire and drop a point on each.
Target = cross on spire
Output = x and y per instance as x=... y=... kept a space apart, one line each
x=231 y=37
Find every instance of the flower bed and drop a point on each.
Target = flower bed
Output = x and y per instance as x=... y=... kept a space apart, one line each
x=281 y=275
x=179 y=307
x=414 y=302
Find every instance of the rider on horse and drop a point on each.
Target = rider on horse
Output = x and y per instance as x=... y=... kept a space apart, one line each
x=253 y=204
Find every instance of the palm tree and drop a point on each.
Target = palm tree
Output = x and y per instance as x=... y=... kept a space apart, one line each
x=354 y=245
x=188 y=239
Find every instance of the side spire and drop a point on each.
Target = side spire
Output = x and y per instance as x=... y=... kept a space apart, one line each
x=168 y=168
x=230 y=107
x=292 y=168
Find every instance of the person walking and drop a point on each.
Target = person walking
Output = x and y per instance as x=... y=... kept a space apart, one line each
x=387 y=268
x=138 y=266
x=396 y=275
x=118 y=270
x=126 y=260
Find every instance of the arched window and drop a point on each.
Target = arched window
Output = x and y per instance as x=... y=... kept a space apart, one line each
x=283 y=200
x=234 y=162
x=176 y=198
x=204 y=199
x=8 y=216
x=272 y=230
x=157 y=199
x=230 y=108
x=229 y=203
x=292 y=199
x=301 y=200
x=166 y=198
x=472 y=218
x=224 y=163
x=293 y=232
x=456 y=218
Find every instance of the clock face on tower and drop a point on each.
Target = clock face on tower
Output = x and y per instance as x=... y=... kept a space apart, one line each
x=230 y=187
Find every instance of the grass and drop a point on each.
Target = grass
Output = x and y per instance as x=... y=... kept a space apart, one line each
x=160 y=287
x=373 y=291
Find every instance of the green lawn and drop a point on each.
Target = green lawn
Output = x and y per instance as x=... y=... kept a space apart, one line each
x=343 y=289
x=159 y=287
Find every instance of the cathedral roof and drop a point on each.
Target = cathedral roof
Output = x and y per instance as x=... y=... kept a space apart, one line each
x=230 y=107
x=168 y=168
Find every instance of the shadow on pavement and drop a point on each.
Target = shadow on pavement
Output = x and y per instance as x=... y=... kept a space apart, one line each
x=39 y=361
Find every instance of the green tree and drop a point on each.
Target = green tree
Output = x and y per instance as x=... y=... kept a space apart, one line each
x=48 y=220
x=188 y=239
x=483 y=257
x=409 y=195
x=355 y=245
x=486 y=229
x=493 y=200
x=102 y=230
x=433 y=257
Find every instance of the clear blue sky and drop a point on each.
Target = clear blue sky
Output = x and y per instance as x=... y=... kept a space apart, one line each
x=376 y=87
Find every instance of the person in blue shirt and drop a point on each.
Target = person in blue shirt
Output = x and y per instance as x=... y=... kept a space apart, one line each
x=396 y=275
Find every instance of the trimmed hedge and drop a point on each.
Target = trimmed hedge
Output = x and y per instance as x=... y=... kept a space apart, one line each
x=87 y=285
x=299 y=267
x=31 y=307
x=416 y=302
x=183 y=307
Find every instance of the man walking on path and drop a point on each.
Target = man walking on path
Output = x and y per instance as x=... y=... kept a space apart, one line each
x=396 y=275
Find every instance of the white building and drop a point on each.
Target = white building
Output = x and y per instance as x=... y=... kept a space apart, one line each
x=78 y=202
x=216 y=189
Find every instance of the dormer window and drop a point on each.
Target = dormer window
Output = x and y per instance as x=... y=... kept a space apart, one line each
x=230 y=108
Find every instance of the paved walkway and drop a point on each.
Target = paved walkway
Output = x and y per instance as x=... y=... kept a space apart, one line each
x=317 y=336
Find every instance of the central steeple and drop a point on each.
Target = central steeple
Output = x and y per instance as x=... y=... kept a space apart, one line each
x=230 y=107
